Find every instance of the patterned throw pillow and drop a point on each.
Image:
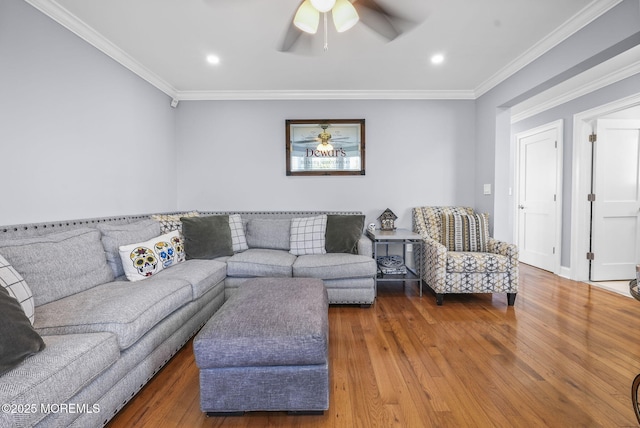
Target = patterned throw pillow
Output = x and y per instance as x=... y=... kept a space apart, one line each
x=145 y=259
x=238 y=238
x=171 y=222
x=463 y=232
x=308 y=235
x=17 y=287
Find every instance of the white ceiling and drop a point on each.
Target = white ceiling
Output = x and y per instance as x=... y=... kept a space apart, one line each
x=166 y=42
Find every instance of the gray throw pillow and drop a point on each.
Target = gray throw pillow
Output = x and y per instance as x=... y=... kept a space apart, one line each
x=18 y=339
x=343 y=233
x=207 y=237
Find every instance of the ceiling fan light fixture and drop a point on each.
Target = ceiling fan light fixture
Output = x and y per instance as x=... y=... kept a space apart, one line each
x=323 y=5
x=344 y=15
x=307 y=18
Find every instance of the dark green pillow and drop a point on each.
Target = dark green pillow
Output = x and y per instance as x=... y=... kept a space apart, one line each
x=343 y=233
x=206 y=237
x=18 y=339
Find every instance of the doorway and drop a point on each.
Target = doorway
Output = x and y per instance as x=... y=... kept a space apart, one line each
x=539 y=198
x=615 y=205
x=607 y=248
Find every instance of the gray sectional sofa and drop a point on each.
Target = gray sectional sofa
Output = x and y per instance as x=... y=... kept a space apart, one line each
x=107 y=336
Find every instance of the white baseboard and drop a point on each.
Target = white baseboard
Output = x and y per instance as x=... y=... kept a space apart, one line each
x=565 y=272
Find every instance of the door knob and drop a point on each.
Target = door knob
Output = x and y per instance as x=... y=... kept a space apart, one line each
x=521 y=206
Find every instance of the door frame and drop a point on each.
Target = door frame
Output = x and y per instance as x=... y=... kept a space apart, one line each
x=581 y=182
x=558 y=125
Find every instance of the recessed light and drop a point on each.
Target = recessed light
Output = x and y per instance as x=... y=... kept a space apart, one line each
x=437 y=59
x=213 y=59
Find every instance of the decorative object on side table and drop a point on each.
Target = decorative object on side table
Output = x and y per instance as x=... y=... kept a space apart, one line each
x=391 y=265
x=387 y=220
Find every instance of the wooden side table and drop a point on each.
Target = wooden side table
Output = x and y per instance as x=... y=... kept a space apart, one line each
x=403 y=237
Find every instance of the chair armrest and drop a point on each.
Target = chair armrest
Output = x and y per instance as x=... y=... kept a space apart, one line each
x=365 y=246
x=512 y=253
x=503 y=248
x=434 y=247
x=433 y=259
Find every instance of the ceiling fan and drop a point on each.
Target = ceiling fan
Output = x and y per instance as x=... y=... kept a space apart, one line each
x=345 y=14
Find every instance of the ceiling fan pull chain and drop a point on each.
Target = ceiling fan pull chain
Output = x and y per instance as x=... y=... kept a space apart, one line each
x=326 y=35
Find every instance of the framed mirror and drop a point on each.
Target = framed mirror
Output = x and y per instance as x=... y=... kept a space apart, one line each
x=325 y=147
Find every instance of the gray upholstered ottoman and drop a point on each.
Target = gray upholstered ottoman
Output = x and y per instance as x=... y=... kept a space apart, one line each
x=266 y=349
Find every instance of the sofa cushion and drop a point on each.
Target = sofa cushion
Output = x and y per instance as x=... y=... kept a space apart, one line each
x=473 y=262
x=334 y=265
x=465 y=232
x=17 y=287
x=60 y=264
x=201 y=274
x=261 y=262
x=207 y=237
x=144 y=259
x=18 y=339
x=126 y=309
x=116 y=235
x=308 y=235
x=269 y=233
x=343 y=233
x=55 y=375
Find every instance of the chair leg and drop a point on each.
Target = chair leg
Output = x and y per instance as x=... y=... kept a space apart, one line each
x=439 y=299
x=511 y=298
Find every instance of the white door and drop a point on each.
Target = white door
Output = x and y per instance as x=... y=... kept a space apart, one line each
x=538 y=212
x=616 y=209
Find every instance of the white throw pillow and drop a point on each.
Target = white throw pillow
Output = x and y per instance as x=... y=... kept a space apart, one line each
x=238 y=238
x=17 y=287
x=308 y=235
x=145 y=259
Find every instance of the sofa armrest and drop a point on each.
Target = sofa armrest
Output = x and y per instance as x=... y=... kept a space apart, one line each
x=365 y=246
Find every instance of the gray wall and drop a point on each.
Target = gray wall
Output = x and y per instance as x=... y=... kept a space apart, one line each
x=565 y=112
x=231 y=156
x=80 y=135
x=604 y=38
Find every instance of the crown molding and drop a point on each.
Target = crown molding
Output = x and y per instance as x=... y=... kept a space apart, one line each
x=65 y=18
x=68 y=20
x=324 y=95
x=613 y=77
x=580 y=20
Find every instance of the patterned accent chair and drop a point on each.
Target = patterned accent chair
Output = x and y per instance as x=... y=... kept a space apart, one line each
x=494 y=270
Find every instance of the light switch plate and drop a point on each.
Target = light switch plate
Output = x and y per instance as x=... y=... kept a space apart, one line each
x=487 y=189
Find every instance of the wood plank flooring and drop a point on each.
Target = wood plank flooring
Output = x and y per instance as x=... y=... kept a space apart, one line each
x=564 y=356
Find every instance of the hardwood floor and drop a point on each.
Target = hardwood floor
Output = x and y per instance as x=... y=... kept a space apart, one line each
x=564 y=356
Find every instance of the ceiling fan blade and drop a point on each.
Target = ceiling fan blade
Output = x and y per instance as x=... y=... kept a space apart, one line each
x=378 y=18
x=291 y=36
